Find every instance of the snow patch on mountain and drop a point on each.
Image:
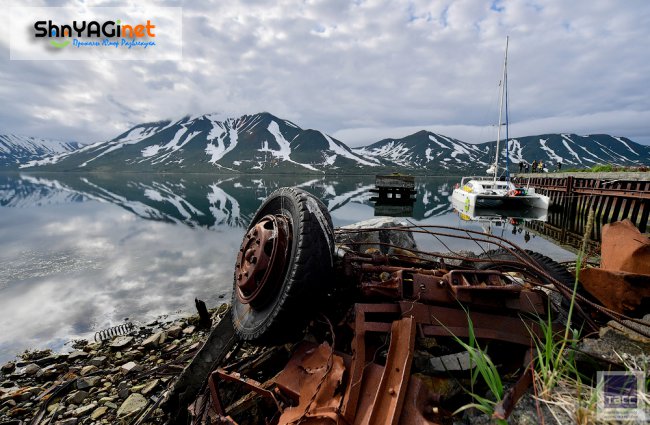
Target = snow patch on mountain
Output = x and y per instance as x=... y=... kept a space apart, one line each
x=339 y=150
x=392 y=151
x=434 y=140
x=550 y=152
x=224 y=208
x=221 y=146
x=626 y=145
x=284 y=151
x=515 y=151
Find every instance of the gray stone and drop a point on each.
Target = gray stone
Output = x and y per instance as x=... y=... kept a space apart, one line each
x=8 y=367
x=84 y=410
x=87 y=382
x=68 y=421
x=123 y=390
x=50 y=372
x=131 y=367
x=369 y=241
x=174 y=331
x=132 y=405
x=87 y=370
x=97 y=361
x=78 y=354
x=615 y=344
x=155 y=340
x=54 y=358
x=78 y=397
x=121 y=342
x=31 y=369
x=149 y=387
x=98 y=413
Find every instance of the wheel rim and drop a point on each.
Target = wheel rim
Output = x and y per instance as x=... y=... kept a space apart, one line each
x=262 y=259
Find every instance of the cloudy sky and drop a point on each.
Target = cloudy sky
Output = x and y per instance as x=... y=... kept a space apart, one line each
x=359 y=70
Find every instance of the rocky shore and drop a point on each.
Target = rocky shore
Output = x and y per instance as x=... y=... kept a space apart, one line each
x=116 y=381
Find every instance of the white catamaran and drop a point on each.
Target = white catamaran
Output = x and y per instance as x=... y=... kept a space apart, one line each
x=493 y=191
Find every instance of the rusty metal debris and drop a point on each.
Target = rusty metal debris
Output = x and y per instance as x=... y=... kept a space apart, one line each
x=372 y=351
x=106 y=334
x=622 y=283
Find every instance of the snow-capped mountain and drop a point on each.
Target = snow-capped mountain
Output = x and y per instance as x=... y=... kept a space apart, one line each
x=16 y=150
x=578 y=151
x=263 y=143
x=434 y=152
x=251 y=143
x=428 y=151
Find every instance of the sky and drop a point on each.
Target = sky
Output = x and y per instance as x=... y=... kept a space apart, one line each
x=358 y=70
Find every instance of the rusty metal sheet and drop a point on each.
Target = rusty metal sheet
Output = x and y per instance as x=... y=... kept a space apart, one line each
x=622 y=283
x=387 y=405
x=320 y=378
x=619 y=291
x=624 y=248
x=445 y=321
x=419 y=405
x=358 y=366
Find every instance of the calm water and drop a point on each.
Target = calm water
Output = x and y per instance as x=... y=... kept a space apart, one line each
x=81 y=253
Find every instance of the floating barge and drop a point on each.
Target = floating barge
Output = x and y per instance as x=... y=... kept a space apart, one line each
x=395 y=189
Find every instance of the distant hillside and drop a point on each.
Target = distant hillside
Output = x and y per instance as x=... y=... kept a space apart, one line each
x=575 y=150
x=16 y=150
x=264 y=143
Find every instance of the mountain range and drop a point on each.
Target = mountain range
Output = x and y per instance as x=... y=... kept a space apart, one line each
x=264 y=143
x=16 y=150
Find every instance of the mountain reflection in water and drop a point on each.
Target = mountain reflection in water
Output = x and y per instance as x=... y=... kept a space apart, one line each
x=82 y=252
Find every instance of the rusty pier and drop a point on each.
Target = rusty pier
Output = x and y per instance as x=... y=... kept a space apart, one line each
x=573 y=197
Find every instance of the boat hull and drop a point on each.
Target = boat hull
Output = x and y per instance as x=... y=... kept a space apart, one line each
x=474 y=200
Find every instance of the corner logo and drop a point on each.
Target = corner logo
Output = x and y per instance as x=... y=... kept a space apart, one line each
x=621 y=396
x=96 y=34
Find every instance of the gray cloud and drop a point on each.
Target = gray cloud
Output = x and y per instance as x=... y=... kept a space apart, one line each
x=366 y=68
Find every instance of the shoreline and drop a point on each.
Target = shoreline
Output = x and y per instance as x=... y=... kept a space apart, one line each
x=114 y=380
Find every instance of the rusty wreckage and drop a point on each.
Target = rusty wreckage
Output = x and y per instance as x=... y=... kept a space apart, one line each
x=351 y=326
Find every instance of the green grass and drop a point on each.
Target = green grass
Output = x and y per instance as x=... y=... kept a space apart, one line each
x=605 y=168
x=486 y=369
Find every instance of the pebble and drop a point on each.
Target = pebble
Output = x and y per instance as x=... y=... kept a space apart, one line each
x=174 y=331
x=8 y=367
x=78 y=397
x=121 y=342
x=88 y=382
x=123 y=390
x=106 y=377
x=131 y=367
x=132 y=405
x=78 y=354
x=155 y=340
x=97 y=361
x=98 y=413
x=87 y=370
x=31 y=369
x=84 y=410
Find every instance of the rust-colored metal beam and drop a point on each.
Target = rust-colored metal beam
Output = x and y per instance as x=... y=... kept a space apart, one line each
x=388 y=402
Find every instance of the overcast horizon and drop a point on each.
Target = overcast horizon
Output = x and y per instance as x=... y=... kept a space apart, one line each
x=360 y=71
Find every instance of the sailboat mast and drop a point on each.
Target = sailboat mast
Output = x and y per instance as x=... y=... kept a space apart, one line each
x=503 y=80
